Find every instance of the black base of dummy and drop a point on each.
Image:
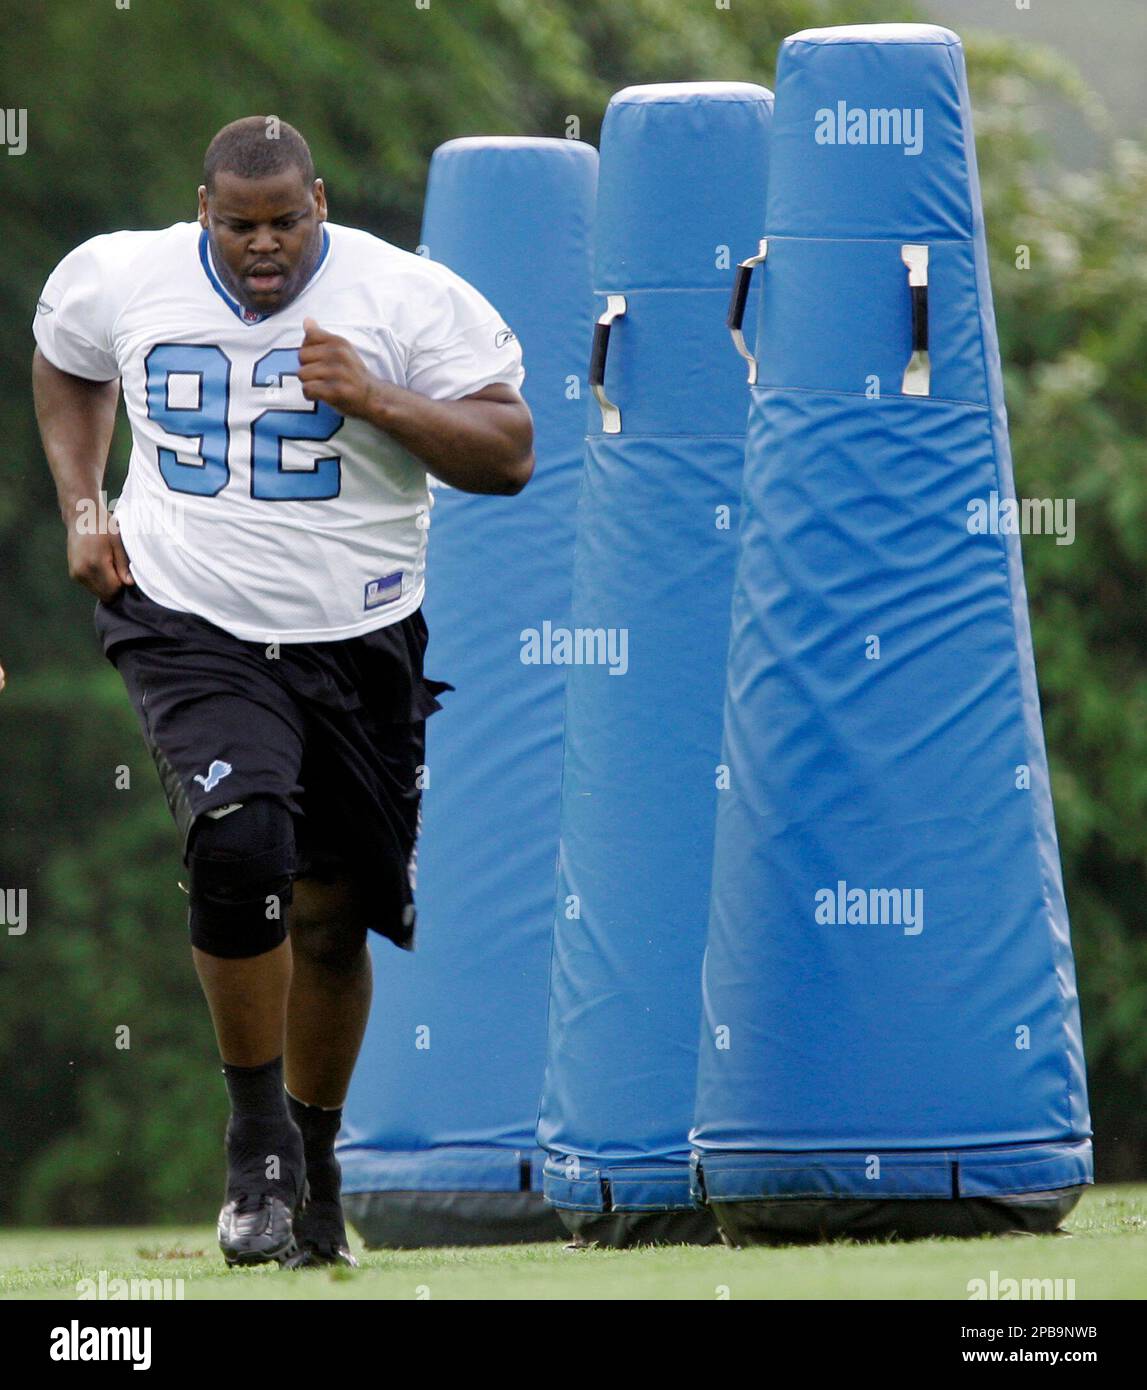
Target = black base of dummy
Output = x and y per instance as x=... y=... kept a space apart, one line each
x=801 y=1221
x=416 y=1220
x=621 y=1230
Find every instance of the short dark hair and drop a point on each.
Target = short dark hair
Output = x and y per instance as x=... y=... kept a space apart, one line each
x=255 y=147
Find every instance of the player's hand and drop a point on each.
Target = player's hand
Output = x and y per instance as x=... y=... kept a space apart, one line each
x=331 y=370
x=98 y=562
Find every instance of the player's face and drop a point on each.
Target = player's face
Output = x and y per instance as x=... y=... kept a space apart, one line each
x=265 y=235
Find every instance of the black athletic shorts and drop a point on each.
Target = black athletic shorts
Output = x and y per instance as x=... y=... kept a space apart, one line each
x=333 y=730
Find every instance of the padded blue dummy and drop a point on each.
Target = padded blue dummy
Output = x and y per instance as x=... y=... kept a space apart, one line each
x=682 y=180
x=438 y=1145
x=872 y=1062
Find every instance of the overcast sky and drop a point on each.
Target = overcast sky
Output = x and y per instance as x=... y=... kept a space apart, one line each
x=1105 y=39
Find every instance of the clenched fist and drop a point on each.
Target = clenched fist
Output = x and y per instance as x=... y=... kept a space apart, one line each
x=331 y=370
x=99 y=562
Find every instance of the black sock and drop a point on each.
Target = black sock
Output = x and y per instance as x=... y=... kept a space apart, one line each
x=264 y=1148
x=319 y=1128
x=256 y=1092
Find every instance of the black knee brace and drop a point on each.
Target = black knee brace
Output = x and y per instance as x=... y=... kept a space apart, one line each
x=241 y=866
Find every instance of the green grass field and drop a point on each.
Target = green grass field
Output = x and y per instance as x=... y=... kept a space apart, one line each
x=1104 y=1252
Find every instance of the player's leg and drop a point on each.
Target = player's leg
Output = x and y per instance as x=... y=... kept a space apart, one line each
x=227 y=741
x=362 y=792
x=240 y=860
x=327 y=1015
x=248 y=1003
x=360 y=880
x=330 y=989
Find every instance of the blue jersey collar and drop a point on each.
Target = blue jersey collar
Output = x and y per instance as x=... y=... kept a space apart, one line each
x=245 y=315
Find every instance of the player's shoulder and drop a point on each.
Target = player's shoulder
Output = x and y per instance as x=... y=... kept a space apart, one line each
x=416 y=276
x=116 y=255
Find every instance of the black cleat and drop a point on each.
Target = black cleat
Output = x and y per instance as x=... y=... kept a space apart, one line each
x=256 y=1225
x=313 y=1256
x=256 y=1229
x=319 y=1225
x=321 y=1238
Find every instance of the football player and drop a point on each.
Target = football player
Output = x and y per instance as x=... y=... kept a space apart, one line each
x=290 y=384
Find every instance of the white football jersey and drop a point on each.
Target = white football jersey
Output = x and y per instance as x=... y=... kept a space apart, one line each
x=272 y=516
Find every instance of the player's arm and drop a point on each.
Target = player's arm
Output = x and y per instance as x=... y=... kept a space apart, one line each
x=77 y=419
x=481 y=443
